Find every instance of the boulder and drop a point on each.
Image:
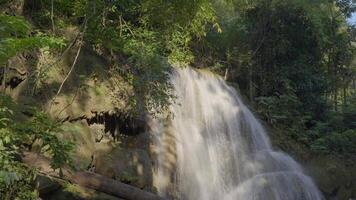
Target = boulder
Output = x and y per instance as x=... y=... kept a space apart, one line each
x=46 y=185
x=79 y=132
x=334 y=176
x=132 y=166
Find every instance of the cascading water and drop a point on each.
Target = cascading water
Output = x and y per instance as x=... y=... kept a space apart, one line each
x=213 y=148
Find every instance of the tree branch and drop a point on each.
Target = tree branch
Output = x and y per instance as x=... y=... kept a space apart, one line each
x=73 y=64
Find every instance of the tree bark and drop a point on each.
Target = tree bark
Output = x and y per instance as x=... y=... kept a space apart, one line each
x=4 y=79
x=112 y=187
x=250 y=83
x=88 y=179
x=52 y=16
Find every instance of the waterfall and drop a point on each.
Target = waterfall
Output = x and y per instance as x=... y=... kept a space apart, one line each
x=213 y=148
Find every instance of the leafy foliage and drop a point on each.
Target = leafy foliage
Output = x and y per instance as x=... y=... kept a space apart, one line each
x=141 y=38
x=16 y=179
x=14 y=34
x=340 y=142
x=41 y=128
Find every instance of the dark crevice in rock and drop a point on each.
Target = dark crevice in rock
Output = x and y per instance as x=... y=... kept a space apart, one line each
x=97 y=140
x=115 y=123
x=14 y=82
x=13 y=77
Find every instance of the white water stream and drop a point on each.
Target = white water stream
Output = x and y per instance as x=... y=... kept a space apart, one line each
x=213 y=148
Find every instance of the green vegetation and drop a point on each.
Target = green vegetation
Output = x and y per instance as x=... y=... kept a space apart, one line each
x=140 y=38
x=16 y=179
x=294 y=60
x=15 y=37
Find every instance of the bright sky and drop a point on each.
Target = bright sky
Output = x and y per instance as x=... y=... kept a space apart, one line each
x=352 y=19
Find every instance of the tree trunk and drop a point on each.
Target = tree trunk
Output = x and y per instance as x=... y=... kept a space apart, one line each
x=52 y=16
x=335 y=99
x=89 y=180
x=112 y=187
x=250 y=84
x=4 y=79
x=345 y=94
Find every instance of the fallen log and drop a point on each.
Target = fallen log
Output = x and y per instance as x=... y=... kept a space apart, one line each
x=88 y=179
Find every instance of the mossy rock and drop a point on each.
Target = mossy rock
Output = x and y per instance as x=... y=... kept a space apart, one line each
x=46 y=185
x=84 y=139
